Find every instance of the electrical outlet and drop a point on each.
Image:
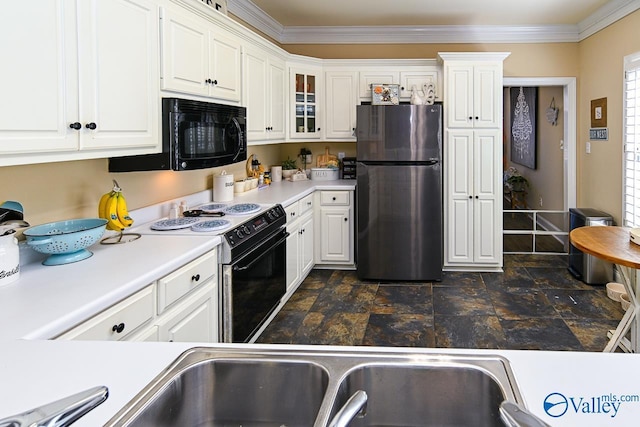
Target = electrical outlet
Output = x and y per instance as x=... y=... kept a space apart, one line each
x=540 y=201
x=588 y=147
x=341 y=155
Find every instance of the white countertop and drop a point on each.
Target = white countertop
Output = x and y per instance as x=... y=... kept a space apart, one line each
x=39 y=372
x=46 y=301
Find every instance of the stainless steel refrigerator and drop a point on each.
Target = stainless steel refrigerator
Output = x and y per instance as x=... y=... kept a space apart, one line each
x=399 y=192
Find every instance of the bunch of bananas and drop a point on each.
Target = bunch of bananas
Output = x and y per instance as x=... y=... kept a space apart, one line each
x=113 y=208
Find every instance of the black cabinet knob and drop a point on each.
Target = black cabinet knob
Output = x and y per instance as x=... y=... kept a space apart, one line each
x=215 y=82
x=471 y=197
x=195 y=278
x=477 y=118
x=333 y=198
x=75 y=126
x=346 y=219
x=118 y=328
x=91 y=126
x=470 y=118
x=208 y=81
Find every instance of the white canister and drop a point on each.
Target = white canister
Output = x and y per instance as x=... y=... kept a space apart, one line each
x=9 y=259
x=223 y=187
x=276 y=173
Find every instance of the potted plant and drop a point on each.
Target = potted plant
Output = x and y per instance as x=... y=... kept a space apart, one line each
x=518 y=183
x=288 y=167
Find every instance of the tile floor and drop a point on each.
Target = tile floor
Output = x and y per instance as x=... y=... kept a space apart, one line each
x=534 y=304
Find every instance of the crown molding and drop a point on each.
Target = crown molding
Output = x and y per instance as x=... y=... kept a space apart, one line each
x=603 y=17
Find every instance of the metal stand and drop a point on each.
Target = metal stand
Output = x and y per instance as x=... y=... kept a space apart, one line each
x=630 y=319
x=120 y=238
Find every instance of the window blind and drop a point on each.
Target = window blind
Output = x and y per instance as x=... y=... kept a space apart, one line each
x=631 y=141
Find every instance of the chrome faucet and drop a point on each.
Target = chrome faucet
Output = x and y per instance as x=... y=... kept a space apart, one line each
x=356 y=404
x=60 y=413
x=514 y=415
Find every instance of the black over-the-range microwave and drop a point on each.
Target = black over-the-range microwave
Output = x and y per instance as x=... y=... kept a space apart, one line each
x=195 y=135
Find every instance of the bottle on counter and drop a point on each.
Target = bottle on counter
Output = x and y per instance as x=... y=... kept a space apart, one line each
x=174 y=211
x=183 y=207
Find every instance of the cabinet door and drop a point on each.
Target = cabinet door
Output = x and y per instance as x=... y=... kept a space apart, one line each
x=335 y=223
x=306 y=244
x=184 y=53
x=293 y=256
x=277 y=99
x=195 y=320
x=341 y=101
x=38 y=44
x=459 y=237
x=305 y=88
x=487 y=96
x=225 y=62
x=119 y=74
x=487 y=196
x=460 y=96
x=255 y=94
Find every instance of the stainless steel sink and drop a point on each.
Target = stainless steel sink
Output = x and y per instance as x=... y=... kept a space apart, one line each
x=437 y=395
x=254 y=387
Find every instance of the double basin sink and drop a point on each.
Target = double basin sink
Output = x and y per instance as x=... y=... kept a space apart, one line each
x=232 y=387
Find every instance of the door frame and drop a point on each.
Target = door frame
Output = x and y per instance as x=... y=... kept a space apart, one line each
x=570 y=127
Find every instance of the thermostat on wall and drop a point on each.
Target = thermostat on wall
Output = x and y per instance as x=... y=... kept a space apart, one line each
x=634 y=235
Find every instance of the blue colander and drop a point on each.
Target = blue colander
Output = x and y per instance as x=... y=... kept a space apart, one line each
x=66 y=241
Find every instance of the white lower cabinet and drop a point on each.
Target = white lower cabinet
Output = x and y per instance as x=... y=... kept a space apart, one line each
x=182 y=306
x=300 y=243
x=334 y=223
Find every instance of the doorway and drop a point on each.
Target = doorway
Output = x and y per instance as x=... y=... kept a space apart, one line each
x=529 y=225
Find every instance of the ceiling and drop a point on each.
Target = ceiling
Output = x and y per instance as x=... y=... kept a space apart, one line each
x=362 y=21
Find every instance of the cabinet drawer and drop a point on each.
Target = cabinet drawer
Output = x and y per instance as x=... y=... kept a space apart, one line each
x=182 y=281
x=292 y=212
x=117 y=322
x=305 y=204
x=334 y=198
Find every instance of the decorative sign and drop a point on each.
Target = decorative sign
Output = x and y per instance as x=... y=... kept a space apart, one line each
x=599 y=113
x=599 y=134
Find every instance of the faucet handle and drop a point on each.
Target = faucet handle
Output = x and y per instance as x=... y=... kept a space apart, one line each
x=60 y=413
x=515 y=415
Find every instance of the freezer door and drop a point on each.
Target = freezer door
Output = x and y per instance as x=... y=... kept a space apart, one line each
x=399 y=222
x=405 y=133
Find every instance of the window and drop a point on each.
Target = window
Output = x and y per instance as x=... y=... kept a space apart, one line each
x=631 y=141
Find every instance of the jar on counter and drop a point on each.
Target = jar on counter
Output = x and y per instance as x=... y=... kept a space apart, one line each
x=9 y=259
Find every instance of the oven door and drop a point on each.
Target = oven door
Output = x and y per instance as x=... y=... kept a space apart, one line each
x=252 y=288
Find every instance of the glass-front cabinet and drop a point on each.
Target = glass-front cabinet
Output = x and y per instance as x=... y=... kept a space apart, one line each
x=306 y=90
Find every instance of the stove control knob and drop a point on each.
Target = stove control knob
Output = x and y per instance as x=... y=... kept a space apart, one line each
x=239 y=234
x=246 y=230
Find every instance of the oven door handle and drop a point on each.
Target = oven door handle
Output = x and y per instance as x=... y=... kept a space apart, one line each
x=236 y=267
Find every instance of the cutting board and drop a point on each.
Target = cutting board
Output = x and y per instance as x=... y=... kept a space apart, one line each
x=324 y=159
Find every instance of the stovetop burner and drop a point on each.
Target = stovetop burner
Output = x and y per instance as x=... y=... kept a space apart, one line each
x=213 y=206
x=242 y=209
x=173 y=224
x=211 y=225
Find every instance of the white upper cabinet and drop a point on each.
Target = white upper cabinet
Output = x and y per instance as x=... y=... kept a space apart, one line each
x=406 y=76
x=305 y=103
x=264 y=95
x=199 y=58
x=474 y=95
x=340 y=102
x=369 y=78
x=76 y=88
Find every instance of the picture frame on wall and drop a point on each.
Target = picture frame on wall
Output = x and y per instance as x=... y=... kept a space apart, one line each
x=524 y=107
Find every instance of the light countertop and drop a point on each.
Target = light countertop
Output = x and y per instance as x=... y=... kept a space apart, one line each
x=39 y=372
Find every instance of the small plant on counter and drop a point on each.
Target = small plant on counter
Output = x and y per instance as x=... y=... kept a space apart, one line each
x=289 y=164
x=518 y=182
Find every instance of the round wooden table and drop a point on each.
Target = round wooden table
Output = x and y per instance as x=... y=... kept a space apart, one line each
x=613 y=244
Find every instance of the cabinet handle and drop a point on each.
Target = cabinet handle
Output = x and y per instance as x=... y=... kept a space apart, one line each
x=471 y=197
x=118 y=328
x=76 y=126
x=477 y=197
x=333 y=198
x=308 y=203
x=195 y=278
x=293 y=214
x=346 y=219
x=477 y=118
x=470 y=118
x=318 y=129
x=401 y=87
x=91 y=126
x=215 y=82
x=208 y=81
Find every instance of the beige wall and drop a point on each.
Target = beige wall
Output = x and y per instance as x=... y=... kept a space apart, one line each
x=545 y=181
x=601 y=76
x=72 y=189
